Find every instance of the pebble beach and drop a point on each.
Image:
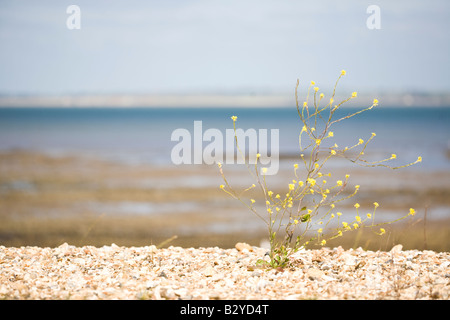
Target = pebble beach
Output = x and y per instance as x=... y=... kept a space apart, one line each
x=211 y=273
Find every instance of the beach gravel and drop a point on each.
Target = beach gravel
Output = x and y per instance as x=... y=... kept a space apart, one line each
x=115 y=272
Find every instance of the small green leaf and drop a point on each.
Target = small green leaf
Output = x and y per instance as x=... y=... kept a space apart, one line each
x=305 y=217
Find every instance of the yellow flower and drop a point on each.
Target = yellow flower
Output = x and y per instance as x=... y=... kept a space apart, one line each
x=347 y=176
x=373 y=134
x=300 y=183
x=358 y=219
x=324 y=181
x=321 y=96
x=258 y=155
x=318 y=141
x=312 y=83
x=296 y=166
x=361 y=141
x=222 y=186
x=278 y=209
x=332 y=206
x=333 y=152
x=264 y=170
x=393 y=156
x=331 y=134
x=354 y=94
x=267 y=202
x=269 y=210
x=323 y=242
x=305 y=104
x=316 y=89
x=234 y=118
x=344 y=224
x=295 y=221
x=357 y=187
x=219 y=164
x=412 y=212
x=320 y=230
x=339 y=183
x=339 y=214
x=304 y=128
x=376 y=204
x=419 y=159
x=270 y=193
x=343 y=72
x=252 y=200
x=382 y=231
x=277 y=196
x=339 y=233
x=369 y=216
x=291 y=186
x=357 y=205
x=355 y=226
x=316 y=166
x=375 y=102
x=311 y=181
x=331 y=100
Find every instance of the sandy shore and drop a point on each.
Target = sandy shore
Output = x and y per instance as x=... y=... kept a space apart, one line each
x=113 y=272
x=46 y=200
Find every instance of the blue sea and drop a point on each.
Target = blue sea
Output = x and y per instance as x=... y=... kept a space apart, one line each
x=143 y=135
x=136 y=136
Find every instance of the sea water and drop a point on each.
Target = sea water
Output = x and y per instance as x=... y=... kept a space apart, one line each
x=143 y=135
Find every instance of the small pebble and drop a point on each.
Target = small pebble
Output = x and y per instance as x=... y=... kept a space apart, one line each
x=241 y=246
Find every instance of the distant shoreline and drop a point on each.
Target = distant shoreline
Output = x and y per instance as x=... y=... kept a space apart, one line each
x=209 y=101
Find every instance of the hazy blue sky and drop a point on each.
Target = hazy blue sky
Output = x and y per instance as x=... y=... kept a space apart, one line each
x=206 y=45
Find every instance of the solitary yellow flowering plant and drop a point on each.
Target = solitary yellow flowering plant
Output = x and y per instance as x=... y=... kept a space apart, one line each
x=310 y=201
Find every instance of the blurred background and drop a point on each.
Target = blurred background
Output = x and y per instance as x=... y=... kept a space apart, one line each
x=89 y=100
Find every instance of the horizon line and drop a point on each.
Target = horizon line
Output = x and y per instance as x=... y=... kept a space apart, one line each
x=212 y=100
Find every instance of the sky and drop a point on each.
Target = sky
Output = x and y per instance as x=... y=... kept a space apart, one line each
x=232 y=46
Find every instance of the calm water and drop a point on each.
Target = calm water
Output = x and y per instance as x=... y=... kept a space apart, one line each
x=142 y=135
